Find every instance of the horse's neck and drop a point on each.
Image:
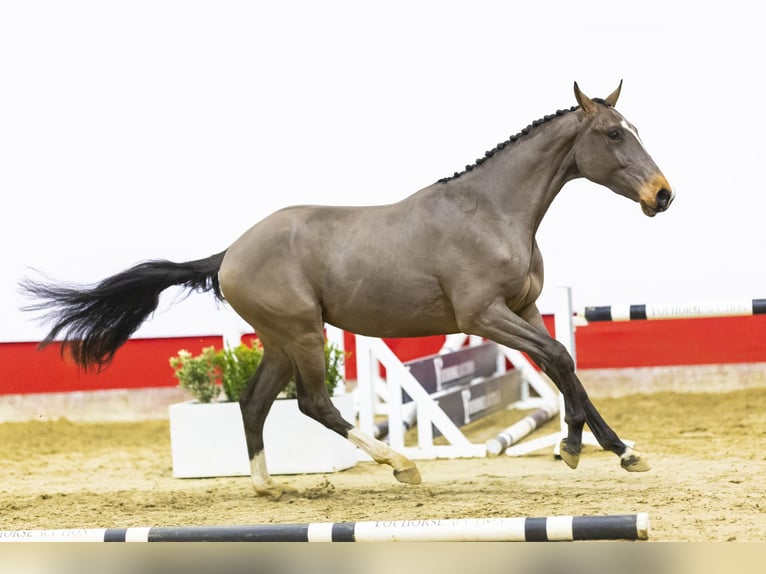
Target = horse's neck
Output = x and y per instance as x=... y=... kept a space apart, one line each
x=525 y=178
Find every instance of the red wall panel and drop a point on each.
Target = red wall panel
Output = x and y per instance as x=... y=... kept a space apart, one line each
x=140 y=363
x=672 y=342
x=143 y=363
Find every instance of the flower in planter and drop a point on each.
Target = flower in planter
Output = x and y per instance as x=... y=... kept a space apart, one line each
x=197 y=374
x=205 y=375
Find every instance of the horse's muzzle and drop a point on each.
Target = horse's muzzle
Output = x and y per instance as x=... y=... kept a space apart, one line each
x=664 y=199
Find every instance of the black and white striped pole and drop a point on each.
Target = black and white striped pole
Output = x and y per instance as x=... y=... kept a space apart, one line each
x=550 y=528
x=684 y=310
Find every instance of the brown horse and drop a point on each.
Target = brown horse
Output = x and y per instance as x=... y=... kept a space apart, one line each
x=457 y=256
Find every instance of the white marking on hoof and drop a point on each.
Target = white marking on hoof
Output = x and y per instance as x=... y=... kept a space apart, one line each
x=404 y=469
x=632 y=461
x=259 y=473
x=379 y=451
x=262 y=482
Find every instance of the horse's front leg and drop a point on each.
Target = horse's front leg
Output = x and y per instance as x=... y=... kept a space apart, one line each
x=498 y=323
x=630 y=459
x=526 y=332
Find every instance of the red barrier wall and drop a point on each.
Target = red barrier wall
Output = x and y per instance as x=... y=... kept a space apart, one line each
x=140 y=363
x=143 y=363
x=672 y=342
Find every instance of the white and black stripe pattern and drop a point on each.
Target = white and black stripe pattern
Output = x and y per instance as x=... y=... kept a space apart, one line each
x=731 y=308
x=514 y=433
x=552 y=528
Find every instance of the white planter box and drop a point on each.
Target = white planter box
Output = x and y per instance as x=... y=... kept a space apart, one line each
x=209 y=440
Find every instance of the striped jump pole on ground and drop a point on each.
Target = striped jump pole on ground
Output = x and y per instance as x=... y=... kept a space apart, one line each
x=689 y=310
x=517 y=431
x=552 y=528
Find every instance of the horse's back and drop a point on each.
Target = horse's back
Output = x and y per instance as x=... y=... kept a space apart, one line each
x=287 y=255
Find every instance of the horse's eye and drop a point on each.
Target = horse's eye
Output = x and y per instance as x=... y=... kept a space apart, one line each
x=613 y=134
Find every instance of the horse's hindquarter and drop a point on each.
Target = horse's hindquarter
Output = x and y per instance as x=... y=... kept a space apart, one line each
x=356 y=266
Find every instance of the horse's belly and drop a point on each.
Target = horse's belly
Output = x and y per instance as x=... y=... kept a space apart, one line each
x=387 y=316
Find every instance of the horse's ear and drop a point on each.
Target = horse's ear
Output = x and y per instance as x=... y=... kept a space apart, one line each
x=611 y=99
x=585 y=102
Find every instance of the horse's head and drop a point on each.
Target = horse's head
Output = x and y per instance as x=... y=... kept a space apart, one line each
x=609 y=152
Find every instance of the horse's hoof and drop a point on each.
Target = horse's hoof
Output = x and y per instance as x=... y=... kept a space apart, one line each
x=569 y=455
x=410 y=475
x=632 y=461
x=277 y=492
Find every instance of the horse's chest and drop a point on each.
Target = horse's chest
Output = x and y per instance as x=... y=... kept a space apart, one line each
x=525 y=286
x=528 y=293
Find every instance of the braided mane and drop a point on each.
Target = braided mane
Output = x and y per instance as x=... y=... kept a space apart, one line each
x=502 y=145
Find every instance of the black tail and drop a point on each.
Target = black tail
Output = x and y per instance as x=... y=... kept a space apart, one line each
x=96 y=321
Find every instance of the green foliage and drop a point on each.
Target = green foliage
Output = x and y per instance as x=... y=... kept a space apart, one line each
x=197 y=374
x=205 y=375
x=333 y=361
x=236 y=366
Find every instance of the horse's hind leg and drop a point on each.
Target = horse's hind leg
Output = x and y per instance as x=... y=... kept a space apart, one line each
x=270 y=378
x=314 y=401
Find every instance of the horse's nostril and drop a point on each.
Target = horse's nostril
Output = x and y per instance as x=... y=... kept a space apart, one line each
x=663 y=199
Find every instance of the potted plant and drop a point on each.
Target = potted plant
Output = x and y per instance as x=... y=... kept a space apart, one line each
x=207 y=435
